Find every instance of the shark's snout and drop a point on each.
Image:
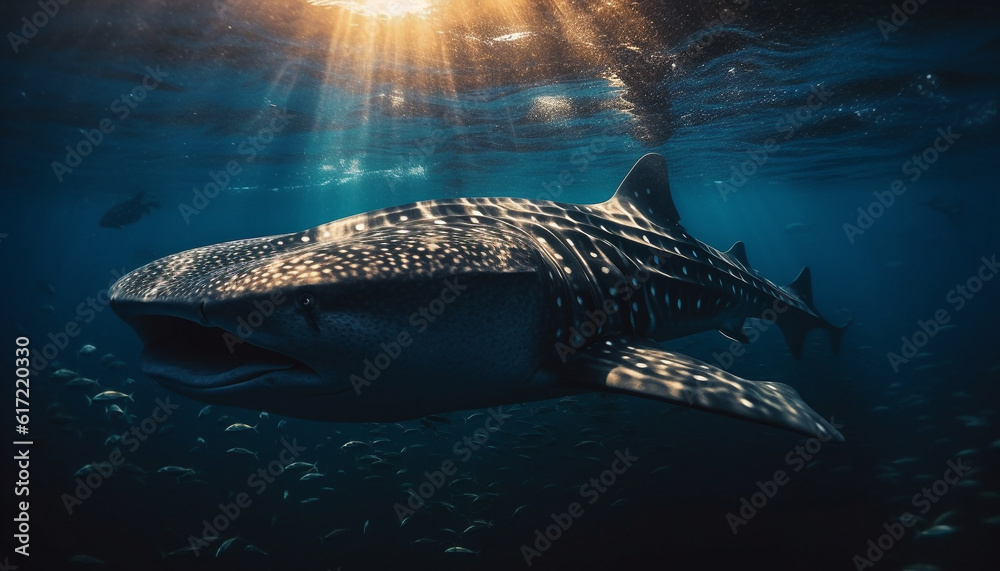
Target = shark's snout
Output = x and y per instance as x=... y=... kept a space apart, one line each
x=182 y=320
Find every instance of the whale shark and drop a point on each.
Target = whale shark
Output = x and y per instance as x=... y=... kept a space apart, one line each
x=467 y=303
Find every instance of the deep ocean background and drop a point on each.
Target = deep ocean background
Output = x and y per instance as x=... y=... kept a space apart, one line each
x=499 y=99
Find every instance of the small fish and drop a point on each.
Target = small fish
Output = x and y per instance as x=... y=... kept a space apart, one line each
x=423 y=541
x=437 y=418
x=460 y=549
x=63 y=374
x=282 y=424
x=334 y=533
x=368 y=523
x=519 y=510
x=309 y=500
x=239 y=426
x=128 y=381
x=114 y=412
x=939 y=531
x=226 y=545
x=205 y=411
x=188 y=550
x=107 y=358
x=180 y=471
x=243 y=451
x=113 y=439
x=993 y=520
x=100 y=467
x=82 y=383
x=475 y=527
x=109 y=395
x=586 y=444
x=254 y=549
x=353 y=444
x=312 y=476
x=943 y=518
x=86 y=350
x=264 y=416
x=199 y=445
x=131 y=468
x=300 y=466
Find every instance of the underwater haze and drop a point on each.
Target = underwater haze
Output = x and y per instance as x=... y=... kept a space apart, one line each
x=858 y=139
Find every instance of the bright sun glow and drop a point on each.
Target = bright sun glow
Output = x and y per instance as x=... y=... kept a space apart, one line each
x=384 y=8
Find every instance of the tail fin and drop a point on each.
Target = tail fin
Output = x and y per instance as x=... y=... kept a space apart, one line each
x=795 y=324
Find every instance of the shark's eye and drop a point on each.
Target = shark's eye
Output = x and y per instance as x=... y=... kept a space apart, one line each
x=307 y=301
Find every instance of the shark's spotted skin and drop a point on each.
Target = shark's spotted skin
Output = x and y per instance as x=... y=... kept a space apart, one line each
x=544 y=299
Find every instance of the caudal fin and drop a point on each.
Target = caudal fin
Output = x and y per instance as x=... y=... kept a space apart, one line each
x=795 y=324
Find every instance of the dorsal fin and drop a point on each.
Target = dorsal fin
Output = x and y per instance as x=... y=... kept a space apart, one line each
x=739 y=252
x=646 y=190
x=802 y=288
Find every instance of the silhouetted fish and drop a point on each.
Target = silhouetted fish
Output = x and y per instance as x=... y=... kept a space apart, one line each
x=128 y=212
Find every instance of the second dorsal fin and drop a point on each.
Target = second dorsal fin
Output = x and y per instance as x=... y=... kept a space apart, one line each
x=739 y=253
x=801 y=287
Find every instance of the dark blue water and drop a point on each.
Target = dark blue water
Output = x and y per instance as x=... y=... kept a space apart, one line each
x=778 y=125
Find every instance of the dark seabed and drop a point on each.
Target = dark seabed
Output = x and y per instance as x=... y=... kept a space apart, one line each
x=784 y=125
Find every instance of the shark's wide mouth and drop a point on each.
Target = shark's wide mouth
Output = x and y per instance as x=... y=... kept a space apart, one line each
x=197 y=357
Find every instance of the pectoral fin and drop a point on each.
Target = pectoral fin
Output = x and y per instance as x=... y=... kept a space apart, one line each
x=644 y=369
